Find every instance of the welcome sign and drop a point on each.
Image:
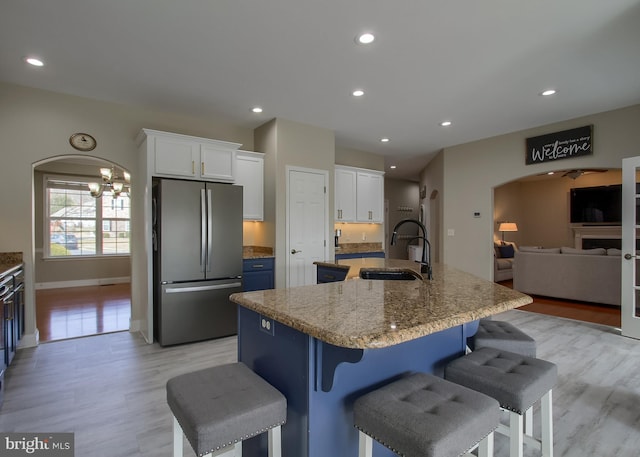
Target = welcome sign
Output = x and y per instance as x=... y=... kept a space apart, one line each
x=560 y=145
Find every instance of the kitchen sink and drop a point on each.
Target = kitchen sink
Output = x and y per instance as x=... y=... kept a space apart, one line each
x=389 y=275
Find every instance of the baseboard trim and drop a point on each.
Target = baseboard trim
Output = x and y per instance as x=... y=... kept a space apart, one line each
x=30 y=340
x=82 y=283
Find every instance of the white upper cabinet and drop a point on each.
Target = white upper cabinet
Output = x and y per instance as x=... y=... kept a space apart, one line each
x=217 y=164
x=359 y=195
x=188 y=157
x=250 y=175
x=345 y=195
x=370 y=196
x=175 y=157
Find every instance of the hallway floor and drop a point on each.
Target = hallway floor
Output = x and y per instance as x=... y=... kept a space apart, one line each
x=82 y=311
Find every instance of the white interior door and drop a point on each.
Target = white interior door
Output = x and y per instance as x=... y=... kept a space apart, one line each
x=630 y=258
x=307 y=230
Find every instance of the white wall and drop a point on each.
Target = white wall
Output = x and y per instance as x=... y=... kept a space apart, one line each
x=35 y=125
x=472 y=170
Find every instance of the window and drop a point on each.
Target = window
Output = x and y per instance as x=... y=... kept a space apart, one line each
x=79 y=225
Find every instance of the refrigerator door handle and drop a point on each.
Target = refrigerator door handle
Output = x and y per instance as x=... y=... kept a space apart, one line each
x=209 y=230
x=177 y=290
x=203 y=230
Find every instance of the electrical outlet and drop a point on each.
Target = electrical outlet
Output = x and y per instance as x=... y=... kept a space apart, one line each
x=364 y=236
x=266 y=325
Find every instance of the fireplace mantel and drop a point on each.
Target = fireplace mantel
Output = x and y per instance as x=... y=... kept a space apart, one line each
x=609 y=232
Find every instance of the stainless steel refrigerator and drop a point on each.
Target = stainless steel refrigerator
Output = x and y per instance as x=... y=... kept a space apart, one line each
x=197 y=259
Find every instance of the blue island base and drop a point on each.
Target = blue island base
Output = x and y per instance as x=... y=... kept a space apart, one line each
x=321 y=381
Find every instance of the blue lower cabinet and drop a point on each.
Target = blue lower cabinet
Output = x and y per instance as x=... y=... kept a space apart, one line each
x=360 y=255
x=257 y=274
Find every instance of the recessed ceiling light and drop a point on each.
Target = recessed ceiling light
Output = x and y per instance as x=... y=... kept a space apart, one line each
x=365 y=38
x=551 y=173
x=358 y=93
x=393 y=167
x=34 y=61
x=445 y=123
x=384 y=140
x=548 y=92
x=257 y=109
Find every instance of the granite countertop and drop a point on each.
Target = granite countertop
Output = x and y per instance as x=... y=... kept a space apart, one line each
x=9 y=261
x=256 y=252
x=363 y=314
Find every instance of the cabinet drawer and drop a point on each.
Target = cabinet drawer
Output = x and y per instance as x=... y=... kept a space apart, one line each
x=257 y=274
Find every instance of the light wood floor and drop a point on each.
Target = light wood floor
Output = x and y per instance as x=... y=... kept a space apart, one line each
x=82 y=311
x=109 y=390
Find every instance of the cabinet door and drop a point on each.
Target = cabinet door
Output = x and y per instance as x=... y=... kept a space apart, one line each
x=250 y=175
x=175 y=157
x=370 y=193
x=217 y=164
x=345 y=195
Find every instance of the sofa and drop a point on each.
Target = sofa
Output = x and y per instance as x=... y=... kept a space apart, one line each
x=503 y=255
x=590 y=275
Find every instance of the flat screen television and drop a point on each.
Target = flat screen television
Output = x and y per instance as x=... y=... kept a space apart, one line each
x=596 y=205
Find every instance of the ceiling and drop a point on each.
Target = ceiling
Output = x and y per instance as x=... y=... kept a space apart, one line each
x=479 y=64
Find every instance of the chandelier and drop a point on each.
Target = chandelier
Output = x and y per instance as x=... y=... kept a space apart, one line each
x=111 y=182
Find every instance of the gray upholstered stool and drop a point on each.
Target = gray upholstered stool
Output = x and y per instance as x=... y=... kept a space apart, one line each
x=426 y=416
x=218 y=407
x=517 y=382
x=502 y=335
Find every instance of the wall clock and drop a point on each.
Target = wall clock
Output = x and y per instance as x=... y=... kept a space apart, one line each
x=82 y=141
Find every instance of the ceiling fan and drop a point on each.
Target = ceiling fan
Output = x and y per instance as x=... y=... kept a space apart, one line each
x=575 y=174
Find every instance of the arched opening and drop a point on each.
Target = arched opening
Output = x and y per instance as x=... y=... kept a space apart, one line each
x=540 y=207
x=81 y=246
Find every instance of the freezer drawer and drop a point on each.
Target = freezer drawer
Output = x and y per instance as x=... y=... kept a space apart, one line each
x=197 y=311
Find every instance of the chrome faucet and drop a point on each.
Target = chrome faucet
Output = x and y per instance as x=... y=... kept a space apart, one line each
x=425 y=264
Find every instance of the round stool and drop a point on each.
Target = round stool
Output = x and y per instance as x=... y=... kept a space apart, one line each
x=517 y=382
x=218 y=407
x=422 y=415
x=502 y=335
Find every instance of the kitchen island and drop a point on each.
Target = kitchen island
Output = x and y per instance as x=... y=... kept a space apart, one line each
x=325 y=345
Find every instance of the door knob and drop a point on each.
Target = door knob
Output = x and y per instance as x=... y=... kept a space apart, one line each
x=293 y=251
x=629 y=256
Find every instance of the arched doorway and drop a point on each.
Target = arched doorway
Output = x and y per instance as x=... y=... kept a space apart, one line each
x=82 y=262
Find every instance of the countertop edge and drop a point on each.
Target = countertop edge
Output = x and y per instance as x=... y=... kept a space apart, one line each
x=381 y=340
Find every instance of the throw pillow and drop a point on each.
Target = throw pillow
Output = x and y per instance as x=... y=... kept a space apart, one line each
x=614 y=251
x=506 y=252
